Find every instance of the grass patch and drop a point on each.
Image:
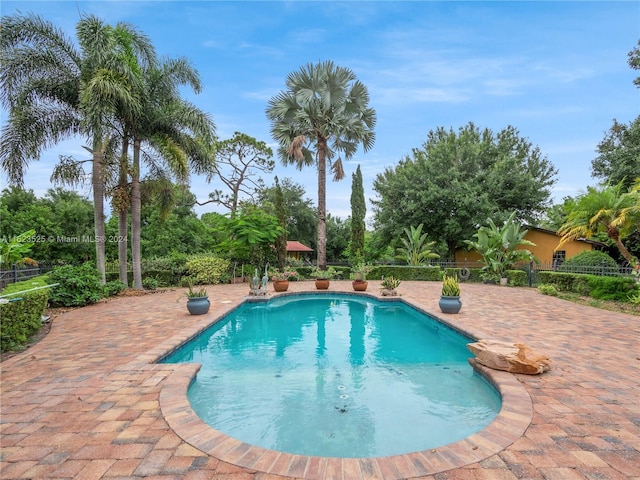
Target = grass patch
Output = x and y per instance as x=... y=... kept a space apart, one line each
x=609 y=305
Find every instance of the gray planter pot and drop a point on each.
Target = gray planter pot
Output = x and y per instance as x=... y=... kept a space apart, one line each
x=450 y=304
x=198 y=305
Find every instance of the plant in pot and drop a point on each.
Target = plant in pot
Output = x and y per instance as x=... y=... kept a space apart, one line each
x=359 y=277
x=197 y=301
x=450 y=298
x=323 y=276
x=389 y=286
x=280 y=279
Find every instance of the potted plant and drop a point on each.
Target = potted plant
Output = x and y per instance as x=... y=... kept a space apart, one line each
x=323 y=276
x=450 y=298
x=197 y=301
x=359 y=277
x=280 y=279
x=389 y=285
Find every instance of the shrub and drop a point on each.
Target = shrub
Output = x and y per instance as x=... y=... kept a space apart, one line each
x=165 y=270
x=78 y=286
x=547 y=289
x=596 y=286
x=21 y=319
x=610 y=288
x=207 y=269
x=113 y=288
x=405 y=273
x=590 y=262
x=150 y=283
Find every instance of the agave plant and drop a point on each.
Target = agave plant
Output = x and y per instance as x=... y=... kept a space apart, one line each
x=450 y=286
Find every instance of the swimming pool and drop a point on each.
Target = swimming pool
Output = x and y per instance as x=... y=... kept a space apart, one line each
x=337 y=376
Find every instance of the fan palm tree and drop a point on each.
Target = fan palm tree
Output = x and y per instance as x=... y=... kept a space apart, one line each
x=609 y=209
x=54 y=90
x=325 y=110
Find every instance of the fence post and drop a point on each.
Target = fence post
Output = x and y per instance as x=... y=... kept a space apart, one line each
x=14 y=269
x=530 y=273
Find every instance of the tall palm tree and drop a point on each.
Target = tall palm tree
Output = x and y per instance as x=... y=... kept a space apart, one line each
x=178 y=134
x=609 y=209
x=54 y=90
x=324 y=110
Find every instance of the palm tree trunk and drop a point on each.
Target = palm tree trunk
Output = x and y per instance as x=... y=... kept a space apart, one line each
x=97 y=179
x=624 y=251
x=322 y=204
x=122 y=206
x=135 y=217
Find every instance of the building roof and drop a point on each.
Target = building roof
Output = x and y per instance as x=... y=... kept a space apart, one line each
x=293 y=246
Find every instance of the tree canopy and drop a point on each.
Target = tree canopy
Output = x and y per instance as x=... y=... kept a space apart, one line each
x=618 y=157
x=458 y=179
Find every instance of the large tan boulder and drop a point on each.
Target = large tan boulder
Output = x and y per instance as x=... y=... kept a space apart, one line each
x=510 y=357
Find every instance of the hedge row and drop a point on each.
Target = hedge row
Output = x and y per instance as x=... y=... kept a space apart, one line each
x=596 y=286
x=22 y=319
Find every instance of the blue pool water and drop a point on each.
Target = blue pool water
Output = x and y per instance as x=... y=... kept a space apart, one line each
x=337 y=376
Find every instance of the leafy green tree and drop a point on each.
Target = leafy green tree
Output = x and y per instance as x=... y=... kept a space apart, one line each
x=634 y=62
x=179 y=231
x=338 y=233
x=618 y=157
x=358 y=214
x=238 y=161
x=252 y=236
x=301 y=215
x=53 y=89
x=610 y=209
x=62 y=220
x=72 y=219
x=324 y=111
x=416 y=249
x=499 y=246
x=556 y=215
x=457 y=180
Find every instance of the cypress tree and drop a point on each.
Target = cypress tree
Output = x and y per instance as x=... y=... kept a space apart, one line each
x=358 y=213
x=281 y=241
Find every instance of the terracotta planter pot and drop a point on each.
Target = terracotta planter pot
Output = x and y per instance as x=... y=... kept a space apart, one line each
x=359 y=285
x=322 y=283
x=281 y=285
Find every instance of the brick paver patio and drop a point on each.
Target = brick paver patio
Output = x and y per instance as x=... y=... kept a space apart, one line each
x=88 y=401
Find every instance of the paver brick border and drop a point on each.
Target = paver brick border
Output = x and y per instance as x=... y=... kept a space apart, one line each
x=510 y=424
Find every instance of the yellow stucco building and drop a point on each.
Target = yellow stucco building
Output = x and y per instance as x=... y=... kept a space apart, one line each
x=545 y=250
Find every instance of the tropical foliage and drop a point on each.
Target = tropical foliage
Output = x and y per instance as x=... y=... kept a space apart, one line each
x=111 y=89
x=609 y=209
x=416 y=250
x=15 y=249
x=499 y=246
x=323 y=112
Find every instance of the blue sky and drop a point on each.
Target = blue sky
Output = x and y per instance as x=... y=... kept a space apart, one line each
x=557 y=71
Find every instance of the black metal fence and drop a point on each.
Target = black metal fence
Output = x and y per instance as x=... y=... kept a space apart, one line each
x=18 y=273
